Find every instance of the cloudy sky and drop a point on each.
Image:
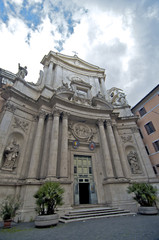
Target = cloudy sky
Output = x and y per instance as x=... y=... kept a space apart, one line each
x=121 y=36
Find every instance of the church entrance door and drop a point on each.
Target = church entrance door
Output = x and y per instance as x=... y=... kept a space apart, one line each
x=84 y=193
x=84 y=185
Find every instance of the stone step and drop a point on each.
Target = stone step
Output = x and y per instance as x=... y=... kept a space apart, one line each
x=86 y=214
x=93 y=212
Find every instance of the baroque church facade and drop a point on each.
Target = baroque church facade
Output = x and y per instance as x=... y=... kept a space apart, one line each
x=69 y=128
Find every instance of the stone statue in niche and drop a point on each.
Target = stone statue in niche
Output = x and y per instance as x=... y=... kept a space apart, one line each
x=134 y=162
x=10 y=155
x=22 y=71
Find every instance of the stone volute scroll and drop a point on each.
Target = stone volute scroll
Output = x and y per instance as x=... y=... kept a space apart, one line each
x=134 y=162
x=10 y=156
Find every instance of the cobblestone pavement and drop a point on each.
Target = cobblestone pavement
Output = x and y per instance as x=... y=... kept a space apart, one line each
x=137 y=227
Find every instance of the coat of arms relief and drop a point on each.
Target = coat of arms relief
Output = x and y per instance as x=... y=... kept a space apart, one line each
x=82 y=131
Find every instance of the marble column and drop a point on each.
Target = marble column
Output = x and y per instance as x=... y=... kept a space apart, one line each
x=105 y=150
x=49 y=80
x=45 y=154
x=53 y=153
x=35 y=156
x=64 y=147
x=121 y=152
x=114 y=151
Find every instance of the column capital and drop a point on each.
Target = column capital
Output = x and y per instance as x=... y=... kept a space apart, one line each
x=56 y=112
x=65 y=114
x=108 y=122
x=49 y=115
x=10 y=107
x=35 y=117
x=42 y=114
x=100 y=122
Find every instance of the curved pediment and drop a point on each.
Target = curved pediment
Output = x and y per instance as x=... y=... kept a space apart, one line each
x=102 y=103
x=72 y=62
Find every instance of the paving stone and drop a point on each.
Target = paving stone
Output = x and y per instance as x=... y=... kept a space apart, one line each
x=137 y=227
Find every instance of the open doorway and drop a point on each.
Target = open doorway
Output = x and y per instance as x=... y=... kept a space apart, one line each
x=84 y=193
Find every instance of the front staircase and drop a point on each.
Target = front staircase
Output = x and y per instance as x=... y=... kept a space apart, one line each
x=93 y=213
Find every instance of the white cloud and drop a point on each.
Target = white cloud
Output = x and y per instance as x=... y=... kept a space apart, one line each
x=120 y=36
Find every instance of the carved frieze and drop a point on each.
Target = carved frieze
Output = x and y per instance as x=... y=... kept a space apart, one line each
x=21 y=124
x=134 y=162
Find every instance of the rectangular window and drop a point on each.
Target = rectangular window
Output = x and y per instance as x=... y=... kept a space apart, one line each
x=75 y=169
x=149 y=128
x=156 y=145
x=142 y=111
x=90 y=170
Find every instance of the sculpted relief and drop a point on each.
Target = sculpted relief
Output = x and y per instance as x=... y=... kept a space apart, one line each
x=10 y=155
x=117 y=97
x=134 y=162
x=82 y=131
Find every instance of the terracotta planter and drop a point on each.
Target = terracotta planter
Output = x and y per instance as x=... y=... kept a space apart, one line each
x=7 y=223
x=148 y=210
x=46 y=220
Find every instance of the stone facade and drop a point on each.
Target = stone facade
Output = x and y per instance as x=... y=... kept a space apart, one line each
x=69 y=128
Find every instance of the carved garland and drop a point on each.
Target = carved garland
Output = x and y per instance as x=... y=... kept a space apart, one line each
x=127 y=138
x=18 y=123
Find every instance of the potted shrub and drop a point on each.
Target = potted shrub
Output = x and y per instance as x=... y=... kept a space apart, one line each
x=146 y=195
x=8 y=209
x=48 y=197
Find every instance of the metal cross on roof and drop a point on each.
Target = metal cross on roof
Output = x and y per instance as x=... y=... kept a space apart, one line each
x=75 y=53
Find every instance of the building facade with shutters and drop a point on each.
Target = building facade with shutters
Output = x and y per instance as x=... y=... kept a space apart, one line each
x=69 y=128
x=148 y=111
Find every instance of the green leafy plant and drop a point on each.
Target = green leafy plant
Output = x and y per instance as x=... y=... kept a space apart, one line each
x=48 y=197
x=9 y=207
x=144 y=193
